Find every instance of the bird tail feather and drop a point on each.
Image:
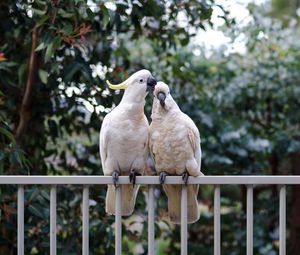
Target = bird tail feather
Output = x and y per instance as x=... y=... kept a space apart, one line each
x=128 y=198
x=174 y=202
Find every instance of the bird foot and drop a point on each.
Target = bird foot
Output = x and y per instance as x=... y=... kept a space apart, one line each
x=132 y=176
x=115 y=176
x=185 y=177
x=162 y=177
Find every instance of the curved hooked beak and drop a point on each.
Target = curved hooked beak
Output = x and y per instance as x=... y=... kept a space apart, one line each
x=151 y=82
x=161 y=97
x=123 y=85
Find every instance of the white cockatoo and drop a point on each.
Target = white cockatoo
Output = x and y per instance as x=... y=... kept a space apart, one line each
x=124 y=139
x=174 y=142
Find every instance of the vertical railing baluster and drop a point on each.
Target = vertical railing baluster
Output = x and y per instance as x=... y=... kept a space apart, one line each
x=151 y=221
x=250 y=220
x=282 y=220
x=217 y=221
x=20 y=220
x=184 y=199
x=53 y=220
x=85 y=220
x=118 y=221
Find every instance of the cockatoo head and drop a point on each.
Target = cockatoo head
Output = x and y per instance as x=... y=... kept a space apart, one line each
x=138 y=84
x=162 y=92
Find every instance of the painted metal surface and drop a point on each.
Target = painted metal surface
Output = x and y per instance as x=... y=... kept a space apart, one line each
x=53 y=181
x=85 y=220
x=94 y=180
x=282 y=220
x=217 y=221
x=250 y=220
x=20 y=220
x=53 y=220
x=184 y=249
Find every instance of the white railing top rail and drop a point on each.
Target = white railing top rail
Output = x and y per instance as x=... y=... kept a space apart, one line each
x=96 y=180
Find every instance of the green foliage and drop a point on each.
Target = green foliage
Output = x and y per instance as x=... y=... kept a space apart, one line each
x=246 y=107
x=284 y=9
x=11 y=155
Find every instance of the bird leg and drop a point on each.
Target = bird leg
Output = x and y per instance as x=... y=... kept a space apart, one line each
x=115 y=176
x=162 y=177
x=132 y=176
x=185 y=177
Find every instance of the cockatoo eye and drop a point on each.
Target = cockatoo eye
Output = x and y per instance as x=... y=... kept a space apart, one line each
x=141 y=80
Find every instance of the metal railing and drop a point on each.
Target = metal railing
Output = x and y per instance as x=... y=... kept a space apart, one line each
x=151 y=181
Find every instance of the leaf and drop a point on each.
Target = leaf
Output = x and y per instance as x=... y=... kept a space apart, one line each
x=49 y=52
x=42 y=20
x=33 y=193
x=45 y=194
x=65 y=14
x=6 y=65
x=56 y=43
x=21 y=73
x=71 y=69
x=36 y=211
x=41 y=47
x=43 y=76
x=106 y=15
x=90 y=14
x=67 y=28
x=38 y=12
x=44 y=3
x=15 y=157
x=8 y=134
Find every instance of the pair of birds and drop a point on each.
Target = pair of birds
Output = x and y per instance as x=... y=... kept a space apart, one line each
x=172 y=137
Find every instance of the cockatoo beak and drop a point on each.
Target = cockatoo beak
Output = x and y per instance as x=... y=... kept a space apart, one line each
x=161 y=96
x=151 y=82
x=123 y=85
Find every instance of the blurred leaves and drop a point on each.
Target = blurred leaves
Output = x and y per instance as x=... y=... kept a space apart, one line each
x=246 y=107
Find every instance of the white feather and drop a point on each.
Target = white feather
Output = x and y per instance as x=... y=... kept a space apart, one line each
x=124 y=141
x=175 y=143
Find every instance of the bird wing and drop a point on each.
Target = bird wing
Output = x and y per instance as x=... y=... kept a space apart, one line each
x=104 y=135
x=194 y=139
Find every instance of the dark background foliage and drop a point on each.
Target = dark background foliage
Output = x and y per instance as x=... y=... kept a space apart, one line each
x=53 y=97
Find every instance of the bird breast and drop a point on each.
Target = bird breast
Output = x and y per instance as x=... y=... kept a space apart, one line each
x=170 y=145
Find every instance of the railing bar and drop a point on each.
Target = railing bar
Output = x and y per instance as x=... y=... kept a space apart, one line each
x=85 y=220
x=118 y=221
x=53 y=220
x=97 y=180
x=184 y=220
x=282 y=220
x=250 y=220
x=151 y=221
x=21 y=220
x=217 y=221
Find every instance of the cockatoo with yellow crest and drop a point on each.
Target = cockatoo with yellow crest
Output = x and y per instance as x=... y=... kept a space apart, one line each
x=174 y=142
x=124 y=139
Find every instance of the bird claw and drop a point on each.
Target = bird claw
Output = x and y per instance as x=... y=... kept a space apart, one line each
x=132 y=176
x=162 y=177
x=185 y=177
x=115 y=176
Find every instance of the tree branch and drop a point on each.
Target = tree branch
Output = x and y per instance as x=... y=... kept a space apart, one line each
x=32 y=74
